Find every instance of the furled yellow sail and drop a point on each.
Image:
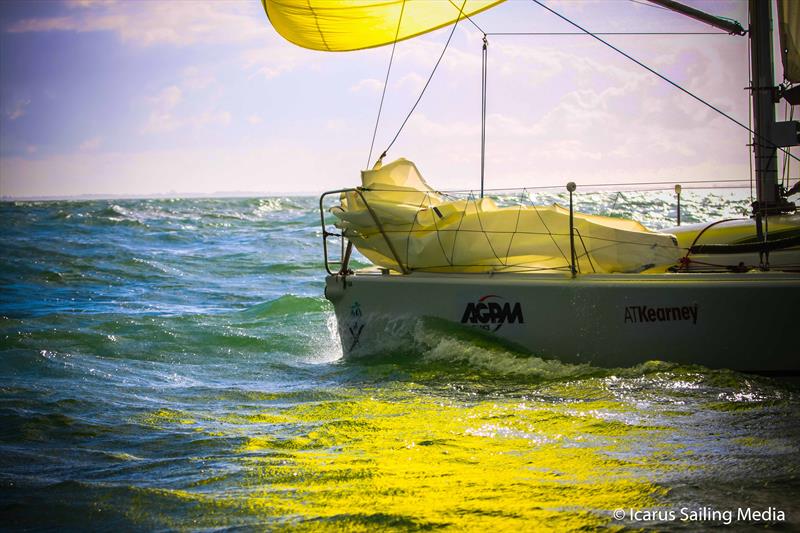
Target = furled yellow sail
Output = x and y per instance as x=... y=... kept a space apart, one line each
x=344 y=25
x=421 y=229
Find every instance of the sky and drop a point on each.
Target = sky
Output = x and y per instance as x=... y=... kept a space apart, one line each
x=136 y=98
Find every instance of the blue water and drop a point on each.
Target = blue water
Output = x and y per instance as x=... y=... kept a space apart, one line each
x=172 y=364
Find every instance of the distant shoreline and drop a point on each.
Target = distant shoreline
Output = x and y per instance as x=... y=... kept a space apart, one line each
x=160 y=196
x=172 y=195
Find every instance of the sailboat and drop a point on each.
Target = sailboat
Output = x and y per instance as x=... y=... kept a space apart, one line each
x=547 y=280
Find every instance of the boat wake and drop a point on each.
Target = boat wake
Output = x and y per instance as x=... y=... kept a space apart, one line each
x=446 y=343
x=434 y=342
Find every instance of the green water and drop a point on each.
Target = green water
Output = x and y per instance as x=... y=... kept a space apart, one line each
x=171 y=364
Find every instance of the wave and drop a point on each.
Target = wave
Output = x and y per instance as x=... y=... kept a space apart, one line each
x=438 y=345
x=288 y=304
x=437 y=348
x=268 y=205
x=451 y=343
x=118 y=214
x=295 y=266
x=287 y=330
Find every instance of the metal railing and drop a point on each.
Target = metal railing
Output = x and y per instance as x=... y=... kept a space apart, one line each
x=346 y=246
x=346 y=251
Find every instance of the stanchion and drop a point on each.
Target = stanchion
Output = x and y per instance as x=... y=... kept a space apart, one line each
x=571 y=188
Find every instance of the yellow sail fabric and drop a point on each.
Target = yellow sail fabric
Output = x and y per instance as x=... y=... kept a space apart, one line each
x=344 y=25
x=430 y=232
x=789 y=28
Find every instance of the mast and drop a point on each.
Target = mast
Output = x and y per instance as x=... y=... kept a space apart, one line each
x=762 y=92
x=768 y=134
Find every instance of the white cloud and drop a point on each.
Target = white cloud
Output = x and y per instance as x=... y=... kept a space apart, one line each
x=411 y=82
x=209 y=118
x=19 y=109
x=148 y=23
x=165 y=117
x=168 y=98
x=558 y=107
x=423 y=53
x=271 y=60
x=336 y=124
x=167 y=122
x=162 y=117
x=367 y=84
x=89 y=3
x=421 y=125
x=161 y=123
x=90 y=145
x=44 y=24
x=183 y=23
x=538 y=63
x=194 y=170
x=196 y=78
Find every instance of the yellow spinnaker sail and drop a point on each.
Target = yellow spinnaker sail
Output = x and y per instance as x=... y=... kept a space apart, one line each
x=344 y=25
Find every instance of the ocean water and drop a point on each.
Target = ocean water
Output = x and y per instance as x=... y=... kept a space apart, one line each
x=172 y=365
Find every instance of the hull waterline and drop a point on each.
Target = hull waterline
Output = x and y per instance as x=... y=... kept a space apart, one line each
x=742 y=321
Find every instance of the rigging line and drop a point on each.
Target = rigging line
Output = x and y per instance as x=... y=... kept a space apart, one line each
x=460 y=221
x=484 y=232
x=434 y=212
x=783 y=167
x=484 y=75
x=639 y=33
x=761 y=137
x=669 y=185
x=750 y=146
x=550 y=233
x=788 y=115
x=411 y=229
x=522 y=196
x=514 y=233
x=385 y=83
x=424 y=88
x=469 y=18
x=585 y=252
x=789 y=174
x=648 y=5
x=619 y=193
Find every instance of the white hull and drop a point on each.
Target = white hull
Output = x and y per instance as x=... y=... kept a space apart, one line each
x=743 y=321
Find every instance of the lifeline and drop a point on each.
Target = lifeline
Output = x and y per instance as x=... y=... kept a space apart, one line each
x=638 y=314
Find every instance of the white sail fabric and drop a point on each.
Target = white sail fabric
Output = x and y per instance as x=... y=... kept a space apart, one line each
x=430 y=232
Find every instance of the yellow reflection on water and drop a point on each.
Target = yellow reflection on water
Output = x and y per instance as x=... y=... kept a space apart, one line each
x=399 y=458
x=371 y=462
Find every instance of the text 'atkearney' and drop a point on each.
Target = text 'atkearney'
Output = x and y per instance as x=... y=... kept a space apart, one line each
x=641 y=314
